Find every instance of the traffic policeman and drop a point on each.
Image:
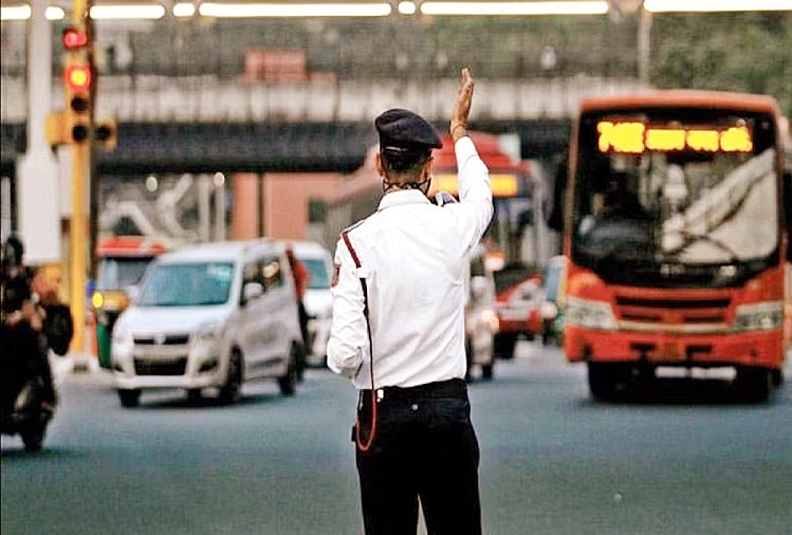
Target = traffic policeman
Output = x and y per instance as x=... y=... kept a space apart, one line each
x=398 y=330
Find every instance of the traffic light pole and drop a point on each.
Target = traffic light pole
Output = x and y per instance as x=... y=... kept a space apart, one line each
x=78 y=231
x=77 y=244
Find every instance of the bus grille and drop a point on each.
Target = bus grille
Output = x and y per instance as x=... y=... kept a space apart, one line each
x=647 y=310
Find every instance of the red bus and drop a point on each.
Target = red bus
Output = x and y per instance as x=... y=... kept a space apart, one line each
x=510 y=253
x=676 y=227
x=513 y=239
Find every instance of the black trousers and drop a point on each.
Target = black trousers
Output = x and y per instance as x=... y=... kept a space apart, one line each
x=425 y=448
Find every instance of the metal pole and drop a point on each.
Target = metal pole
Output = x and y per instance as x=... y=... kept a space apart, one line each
x=93 y=163
x=77 y=244
x=644 y=44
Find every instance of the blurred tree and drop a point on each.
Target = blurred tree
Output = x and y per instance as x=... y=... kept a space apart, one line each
x=731 y=52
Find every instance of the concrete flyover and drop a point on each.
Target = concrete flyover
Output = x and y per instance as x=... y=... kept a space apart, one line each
x=191 y=124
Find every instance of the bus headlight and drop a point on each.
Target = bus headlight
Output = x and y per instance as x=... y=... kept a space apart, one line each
x=590 y=314
x=767 y=316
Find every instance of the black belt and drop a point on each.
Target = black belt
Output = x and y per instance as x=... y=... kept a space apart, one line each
x=452 y=388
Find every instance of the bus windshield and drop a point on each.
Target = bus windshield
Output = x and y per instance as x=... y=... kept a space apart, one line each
x=676 y=197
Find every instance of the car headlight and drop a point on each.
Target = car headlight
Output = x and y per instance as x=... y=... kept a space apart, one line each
x=590 y=314
x=767 y=316
x=209 y=332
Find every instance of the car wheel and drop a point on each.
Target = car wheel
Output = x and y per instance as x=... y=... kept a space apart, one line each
x=504 y=345
x=229 y=392
x=194 y=396
x=129 y=398
x=486 y=371
x=288 y=382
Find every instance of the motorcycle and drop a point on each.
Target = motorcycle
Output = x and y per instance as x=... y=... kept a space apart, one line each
x=26 y=409
x=29 y=416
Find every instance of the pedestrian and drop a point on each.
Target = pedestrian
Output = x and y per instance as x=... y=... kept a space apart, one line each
x=301 y=277
x=398 y=302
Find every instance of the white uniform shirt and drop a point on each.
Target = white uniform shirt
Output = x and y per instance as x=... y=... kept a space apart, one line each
x=414 y=257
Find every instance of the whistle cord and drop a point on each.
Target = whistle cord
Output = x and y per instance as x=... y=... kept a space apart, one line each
x=365 y=446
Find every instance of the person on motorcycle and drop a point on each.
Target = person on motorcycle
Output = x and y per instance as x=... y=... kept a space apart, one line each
x=25 y=352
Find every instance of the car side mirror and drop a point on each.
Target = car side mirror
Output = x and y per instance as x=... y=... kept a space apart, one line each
x=252 y=290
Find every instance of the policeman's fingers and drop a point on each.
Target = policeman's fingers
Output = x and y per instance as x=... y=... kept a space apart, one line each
x=459 y=115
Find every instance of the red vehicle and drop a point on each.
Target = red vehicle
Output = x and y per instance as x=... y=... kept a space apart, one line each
x=677 y=228
x=518 y=287
x=518 y=307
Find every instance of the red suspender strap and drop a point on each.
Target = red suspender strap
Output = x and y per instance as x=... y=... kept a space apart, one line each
x=364 y=446
x=345 y=236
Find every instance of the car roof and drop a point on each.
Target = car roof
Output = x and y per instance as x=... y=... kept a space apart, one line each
x=308 y=249
x=221 y=251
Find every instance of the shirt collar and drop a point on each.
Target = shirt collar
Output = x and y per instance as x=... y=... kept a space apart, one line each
x=400 y=197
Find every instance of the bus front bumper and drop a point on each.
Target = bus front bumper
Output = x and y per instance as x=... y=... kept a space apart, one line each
x=758 y=348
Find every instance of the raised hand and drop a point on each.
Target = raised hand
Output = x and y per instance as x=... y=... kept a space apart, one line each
x=459 y=115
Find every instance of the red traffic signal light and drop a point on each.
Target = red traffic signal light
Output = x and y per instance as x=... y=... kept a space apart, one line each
x=78 y=80
x=74 y=39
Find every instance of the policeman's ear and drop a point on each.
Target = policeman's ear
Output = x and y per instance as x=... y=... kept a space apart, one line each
x=427 y=168
x=378 y=164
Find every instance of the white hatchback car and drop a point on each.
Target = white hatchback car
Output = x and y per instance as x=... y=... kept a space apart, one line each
x=317 y=300
x=210 y=315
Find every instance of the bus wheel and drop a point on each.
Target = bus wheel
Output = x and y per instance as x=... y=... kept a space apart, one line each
x=754 y=384
x=606 y=380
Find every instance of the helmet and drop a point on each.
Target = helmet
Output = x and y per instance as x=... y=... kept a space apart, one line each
x=13 y=251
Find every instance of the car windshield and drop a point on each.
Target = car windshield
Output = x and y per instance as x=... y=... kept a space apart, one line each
x=120 y=273
x=319 y=278
x=189 y=284
x=678 y=210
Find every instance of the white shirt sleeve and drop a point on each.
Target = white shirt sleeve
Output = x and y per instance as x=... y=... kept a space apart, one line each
x=348 y=341
x=474 y=211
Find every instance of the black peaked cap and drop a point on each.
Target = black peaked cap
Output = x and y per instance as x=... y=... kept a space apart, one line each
x=404 y=129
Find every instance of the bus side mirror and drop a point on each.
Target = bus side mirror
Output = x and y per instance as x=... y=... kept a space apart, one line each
x=555 y=220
